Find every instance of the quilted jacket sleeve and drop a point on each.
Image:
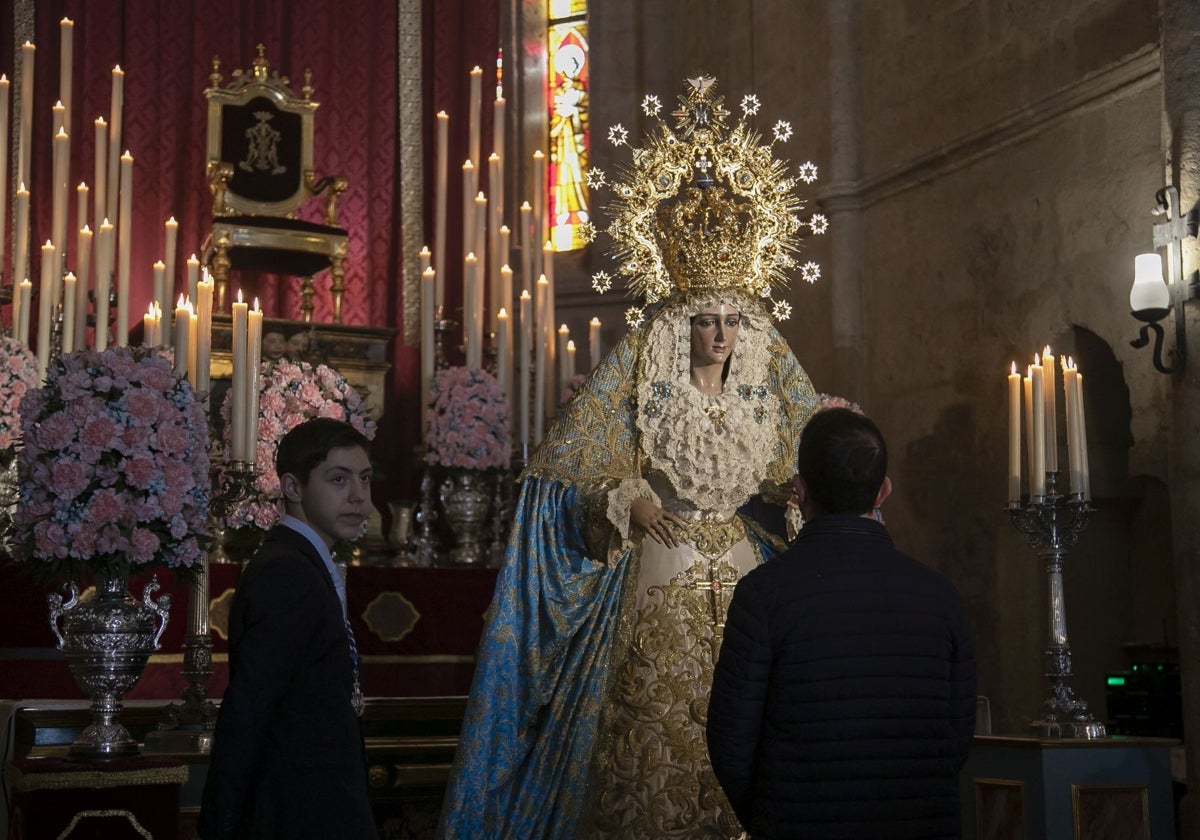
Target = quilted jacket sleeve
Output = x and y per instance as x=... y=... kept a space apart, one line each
x=735 y=711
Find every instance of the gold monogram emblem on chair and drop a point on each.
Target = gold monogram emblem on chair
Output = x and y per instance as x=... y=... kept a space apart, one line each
x=260 y=172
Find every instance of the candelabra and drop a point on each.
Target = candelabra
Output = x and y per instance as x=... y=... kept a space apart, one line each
x=1052 y=524
x=187 y=726
x=425 y=516
x=442 y=327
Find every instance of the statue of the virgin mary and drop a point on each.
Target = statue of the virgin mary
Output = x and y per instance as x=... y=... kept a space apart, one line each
x=587 y=712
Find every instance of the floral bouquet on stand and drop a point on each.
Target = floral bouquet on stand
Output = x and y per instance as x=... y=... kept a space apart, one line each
x=468 y=438
x=568 y=393
x=113 y=472
x=18 y=375
x=830 y=401
x=468 y=420
x=290 y=393
x=113 y=468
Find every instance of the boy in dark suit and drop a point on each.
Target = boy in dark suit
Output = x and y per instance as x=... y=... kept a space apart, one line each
x=288 y=758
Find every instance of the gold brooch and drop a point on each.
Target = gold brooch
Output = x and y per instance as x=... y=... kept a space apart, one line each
x=716 y=412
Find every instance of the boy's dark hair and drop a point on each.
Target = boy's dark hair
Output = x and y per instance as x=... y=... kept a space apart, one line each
x=843 y=461
x=306 y=446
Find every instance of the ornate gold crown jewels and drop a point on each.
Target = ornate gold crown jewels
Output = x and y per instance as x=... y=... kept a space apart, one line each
x=703 y=207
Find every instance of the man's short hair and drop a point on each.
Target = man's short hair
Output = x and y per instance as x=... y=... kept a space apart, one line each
x=307 y=445
x=843 y=461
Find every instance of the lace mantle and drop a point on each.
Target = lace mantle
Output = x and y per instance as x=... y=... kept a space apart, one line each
x=713 y=450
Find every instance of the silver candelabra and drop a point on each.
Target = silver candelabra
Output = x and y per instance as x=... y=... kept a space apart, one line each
x=1052 y=524
x=187 y=726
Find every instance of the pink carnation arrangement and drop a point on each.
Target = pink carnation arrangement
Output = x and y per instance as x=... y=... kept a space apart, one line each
x=572 y=389
x=290 y=393
x=18 y=375
x=468 y=420
x=113 y=468
x=829 y=401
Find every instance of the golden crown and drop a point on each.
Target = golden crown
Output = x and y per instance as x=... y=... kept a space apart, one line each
x=705 y=208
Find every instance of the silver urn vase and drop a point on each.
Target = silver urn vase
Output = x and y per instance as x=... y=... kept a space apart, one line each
x=108 y=637
x=466 y=502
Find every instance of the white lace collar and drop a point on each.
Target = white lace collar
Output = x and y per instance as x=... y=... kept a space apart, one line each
x=714 y=450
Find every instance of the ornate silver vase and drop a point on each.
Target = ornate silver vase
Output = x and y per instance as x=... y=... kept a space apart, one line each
x=466 y=501
x=108 y=638
x=10 y=486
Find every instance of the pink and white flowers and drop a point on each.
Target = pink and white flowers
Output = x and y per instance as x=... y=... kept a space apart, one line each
x=468 y=420
x=831 y=401
x=113 y=467
x=18 y=375
x=290 y=393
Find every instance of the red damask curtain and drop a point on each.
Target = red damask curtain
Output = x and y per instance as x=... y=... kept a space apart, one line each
x=166 y=50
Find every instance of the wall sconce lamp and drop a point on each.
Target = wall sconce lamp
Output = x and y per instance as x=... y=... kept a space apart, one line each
x=1150 y=298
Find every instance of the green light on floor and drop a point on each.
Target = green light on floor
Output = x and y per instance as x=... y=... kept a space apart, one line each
x=1116 y=681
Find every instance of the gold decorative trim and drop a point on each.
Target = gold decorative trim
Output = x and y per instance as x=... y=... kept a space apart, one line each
x=112 y=812
x=1144 y=796
x=218 y=613
x=368 y=659
x=243 y=234
x=713 y=538
x=411 y=160
x=433 y=659
x=381 y=602
x=24 y=30
x=244 y=89
x=95 y=779
x=177 y=658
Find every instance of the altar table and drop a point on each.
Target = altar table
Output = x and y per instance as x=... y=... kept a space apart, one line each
x=1017 y=787
x=131 y=798
x=417 y=630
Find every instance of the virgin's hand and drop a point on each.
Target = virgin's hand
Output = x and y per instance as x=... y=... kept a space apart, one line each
x=658 y=523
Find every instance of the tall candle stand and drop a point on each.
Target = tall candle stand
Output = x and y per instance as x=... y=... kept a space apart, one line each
x=442 y=327
x=426 y=514
x=188 y=726
x=1052 y=524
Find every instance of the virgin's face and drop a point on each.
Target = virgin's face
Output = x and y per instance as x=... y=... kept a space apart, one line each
x=714 y=333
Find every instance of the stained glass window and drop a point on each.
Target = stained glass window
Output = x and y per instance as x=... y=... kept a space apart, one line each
x=568 y=103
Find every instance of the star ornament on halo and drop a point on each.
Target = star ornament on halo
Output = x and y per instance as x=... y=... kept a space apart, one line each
x=633 y=317
x=601 y=281
x=750 y=105
x=818 y=224
x=808 y=171
x=782 y=131
x=617 y=135
x=810 y=272
x=782 y=310
x=596 y=178
x=651 y=106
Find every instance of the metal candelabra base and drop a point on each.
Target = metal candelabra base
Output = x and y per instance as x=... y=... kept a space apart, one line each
x=1052 y=524
x=187 y=726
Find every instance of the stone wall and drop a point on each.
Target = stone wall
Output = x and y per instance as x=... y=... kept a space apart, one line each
x=1008 y=155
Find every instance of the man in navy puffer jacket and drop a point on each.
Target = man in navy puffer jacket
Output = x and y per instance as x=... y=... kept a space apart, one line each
x=843 y=702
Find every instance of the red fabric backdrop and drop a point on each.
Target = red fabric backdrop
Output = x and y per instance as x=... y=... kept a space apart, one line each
x=166 y=50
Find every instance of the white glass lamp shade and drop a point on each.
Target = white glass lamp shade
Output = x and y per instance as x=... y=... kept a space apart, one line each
x=1149 y=292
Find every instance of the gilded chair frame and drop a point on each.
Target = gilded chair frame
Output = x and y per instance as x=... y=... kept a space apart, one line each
x=231 y=226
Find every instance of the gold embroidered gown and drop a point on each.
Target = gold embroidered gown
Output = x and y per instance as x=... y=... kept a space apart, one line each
x=703 y=457
x=587 y=712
